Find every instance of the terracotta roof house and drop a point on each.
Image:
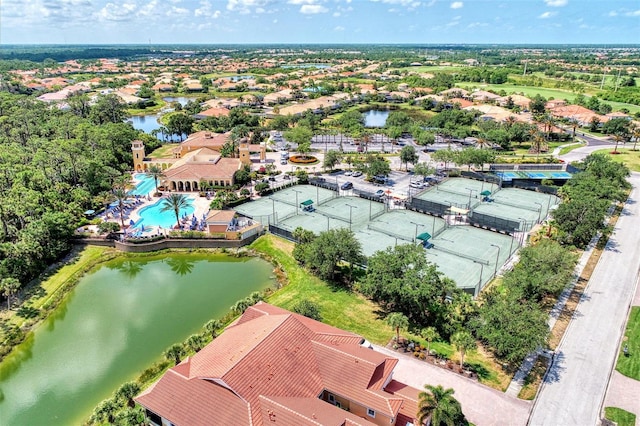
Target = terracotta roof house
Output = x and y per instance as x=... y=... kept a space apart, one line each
x=276 y=367
x=212 y=112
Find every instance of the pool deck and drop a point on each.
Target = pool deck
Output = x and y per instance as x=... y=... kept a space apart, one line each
x=200 y=204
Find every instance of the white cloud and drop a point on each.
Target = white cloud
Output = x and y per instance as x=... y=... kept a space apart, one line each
x=457 y=5
x=634 y=13
x=245 y=6
x=177 y=11
x=338 y=28
x=312 y=9
x=206 y=10
x=556 y=3
x=547 y=15
x=405 y=3
x=613 y=13
x=302 y=1
x=116 y=12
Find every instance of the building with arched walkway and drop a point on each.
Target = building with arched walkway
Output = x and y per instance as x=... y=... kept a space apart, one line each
x=190 y=171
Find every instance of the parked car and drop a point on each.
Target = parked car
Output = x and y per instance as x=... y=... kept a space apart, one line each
x=286 y=176
x=416 y=184
x=379 y=193
x=357 y=173
x=346 y=185
x=348 y=173
x=272 y=179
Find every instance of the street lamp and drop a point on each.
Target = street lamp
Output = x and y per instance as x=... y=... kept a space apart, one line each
x=539 y=210
x=273 y=209
x=297 y=205
x=470 y=192
x=350 y=210
x=480 y=277
x=495 y=272
x=522 y=223
x=415 y=238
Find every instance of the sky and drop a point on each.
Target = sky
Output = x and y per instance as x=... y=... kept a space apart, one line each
x=319 y=21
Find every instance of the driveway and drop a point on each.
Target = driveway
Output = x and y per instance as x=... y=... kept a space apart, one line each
x=575 y=387
x=481 y=405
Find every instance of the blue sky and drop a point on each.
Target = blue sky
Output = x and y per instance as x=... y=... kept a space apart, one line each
x=319 y=21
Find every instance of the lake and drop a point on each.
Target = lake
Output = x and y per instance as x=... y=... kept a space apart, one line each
x=375 y=118
x=113 y=325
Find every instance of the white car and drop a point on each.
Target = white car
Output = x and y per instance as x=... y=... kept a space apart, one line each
x=348 y=173
x=357 y=174
x=418 y=185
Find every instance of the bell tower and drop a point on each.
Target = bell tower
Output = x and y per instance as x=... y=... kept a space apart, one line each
x=137 y=148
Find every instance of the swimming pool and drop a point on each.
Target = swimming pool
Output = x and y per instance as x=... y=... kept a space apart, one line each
x=145 y=185
x=153 y=216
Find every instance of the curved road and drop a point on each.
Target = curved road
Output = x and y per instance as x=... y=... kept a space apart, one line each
x=575 y=387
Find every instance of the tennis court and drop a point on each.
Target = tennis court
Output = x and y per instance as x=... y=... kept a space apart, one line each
x=470 y=256
x=537 y=174
x=526 y=208
x=458 y=192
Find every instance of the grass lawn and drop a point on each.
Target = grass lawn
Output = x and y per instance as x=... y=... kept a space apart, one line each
x=629 y=365
x=626 y=155
x=620 y=416
x=164 y=151
x=349 y=311
x=546 y=92
x=339 y=307
x=533 y=380
x=568 y=149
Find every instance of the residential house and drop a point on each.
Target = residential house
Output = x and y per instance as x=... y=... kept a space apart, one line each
x=274 y=367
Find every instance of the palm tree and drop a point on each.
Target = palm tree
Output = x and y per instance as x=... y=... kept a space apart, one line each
x=212 y=327
x=126 y=392
x=438 y=407
x=174 y=353
x=9 y=286
x=429 y=334
x=175 y=202
x=464 y=342
x=156 y=173
x=635 y=132
x=617 y=137
x=398 y=321
x=195 y=342
x=105 y=412
x=121 y=197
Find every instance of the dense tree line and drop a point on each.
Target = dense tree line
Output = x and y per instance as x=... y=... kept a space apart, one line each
x=54 y=165
x=587 y=197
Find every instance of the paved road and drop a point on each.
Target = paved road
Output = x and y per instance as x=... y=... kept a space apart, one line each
x=575 y=388
x=481 y=405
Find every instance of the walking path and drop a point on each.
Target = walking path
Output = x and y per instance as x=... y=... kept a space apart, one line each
x=481 y=404
x=574 y=388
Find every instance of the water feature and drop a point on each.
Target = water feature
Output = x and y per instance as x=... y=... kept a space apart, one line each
x=114 y=324
x=154 y=216
x=182 y=100
x=236 y=78
x=144 y=184
x=375 y=118
x=146 y=123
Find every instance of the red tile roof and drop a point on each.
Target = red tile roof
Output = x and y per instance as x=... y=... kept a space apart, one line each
x=275 y=364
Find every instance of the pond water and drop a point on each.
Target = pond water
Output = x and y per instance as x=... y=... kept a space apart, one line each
x=182 y=100
x=146 y=123
x=375 y=118
x=114 y=324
